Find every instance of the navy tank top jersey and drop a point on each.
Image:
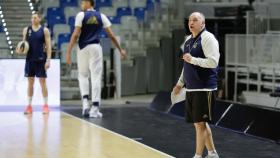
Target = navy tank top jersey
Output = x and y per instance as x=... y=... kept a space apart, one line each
x=36 y=40
x=92 y=25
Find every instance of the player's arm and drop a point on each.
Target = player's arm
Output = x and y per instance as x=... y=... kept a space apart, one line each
x=24 y=31
x=73 y=40
x=107 y=26
x=115 y=41
x=75 y=35
x=48 y=43
x=48 y=47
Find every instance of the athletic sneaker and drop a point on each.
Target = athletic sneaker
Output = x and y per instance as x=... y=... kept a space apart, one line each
x=86 y=109
x=46 y=109
x=94 y=112
x=28 y=110
x=85 y=112
x=213 y=155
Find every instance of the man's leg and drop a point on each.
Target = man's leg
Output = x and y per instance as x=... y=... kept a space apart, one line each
x=96 y=68
x=209 y=143
x=83 y=77
x=30 y=85
x=200 y=129
x=45 y=94
x=44 y=90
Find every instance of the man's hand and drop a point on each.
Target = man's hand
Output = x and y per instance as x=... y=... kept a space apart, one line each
x=187 y=57
x=68 y=58
x=177 y=89
x=123 y=54
x=47 y=64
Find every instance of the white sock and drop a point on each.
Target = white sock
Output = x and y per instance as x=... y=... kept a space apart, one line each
x=212 y=152
x=45 y=100
x=197 y=156
x=29 y=100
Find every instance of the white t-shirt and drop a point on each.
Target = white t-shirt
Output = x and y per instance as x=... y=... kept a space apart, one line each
x=80 y=16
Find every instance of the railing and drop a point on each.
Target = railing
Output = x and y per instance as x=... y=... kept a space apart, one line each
x=255 y=61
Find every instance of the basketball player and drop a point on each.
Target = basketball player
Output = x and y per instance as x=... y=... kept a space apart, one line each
x=199 y=75
x=89 y=23
x=37 y=60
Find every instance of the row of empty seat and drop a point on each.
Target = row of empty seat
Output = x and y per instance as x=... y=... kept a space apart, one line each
x=126 y=14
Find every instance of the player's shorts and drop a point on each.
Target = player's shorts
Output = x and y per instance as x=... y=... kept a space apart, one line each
x=199 y=106
x=35 y=68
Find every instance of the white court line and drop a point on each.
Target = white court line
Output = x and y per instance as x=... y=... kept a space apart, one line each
x=117 y=134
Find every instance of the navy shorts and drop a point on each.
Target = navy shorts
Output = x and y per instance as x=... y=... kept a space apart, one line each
x=35 y=68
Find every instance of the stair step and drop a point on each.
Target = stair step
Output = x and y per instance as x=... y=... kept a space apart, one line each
x=70 y=93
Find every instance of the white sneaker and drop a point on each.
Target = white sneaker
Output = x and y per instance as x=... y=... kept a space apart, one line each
x=85 y=111
x=95 y=113
x=213 y=155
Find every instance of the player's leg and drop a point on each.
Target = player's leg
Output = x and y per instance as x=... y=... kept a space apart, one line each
x=29 y=72
x=41 y=73
x=83 y=77
x=96 y=67
x=30 y=86
x=45 y=94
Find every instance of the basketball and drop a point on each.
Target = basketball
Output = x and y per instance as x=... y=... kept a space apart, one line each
x=22 y=47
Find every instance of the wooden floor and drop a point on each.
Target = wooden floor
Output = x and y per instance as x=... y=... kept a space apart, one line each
x=59 y=135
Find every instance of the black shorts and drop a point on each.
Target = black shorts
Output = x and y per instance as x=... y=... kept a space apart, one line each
x=35 y=68
x=199 y=106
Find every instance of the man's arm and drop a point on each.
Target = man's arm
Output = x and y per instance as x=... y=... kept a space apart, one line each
x=48 y=47
x=181 y=79
x=210 y=48
x=177 y=88
x=24 y=34
x=48 y=43
x=73 y=40
x=75 y=36
x=24 y=31
x=115 y=41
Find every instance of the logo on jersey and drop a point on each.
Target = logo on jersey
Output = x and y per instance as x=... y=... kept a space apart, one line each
x=195 y=45
x=92 y=20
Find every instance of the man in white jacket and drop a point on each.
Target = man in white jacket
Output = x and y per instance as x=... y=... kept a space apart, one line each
x=199 y=75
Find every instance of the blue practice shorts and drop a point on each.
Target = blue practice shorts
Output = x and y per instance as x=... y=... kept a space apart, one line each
x=35 y=68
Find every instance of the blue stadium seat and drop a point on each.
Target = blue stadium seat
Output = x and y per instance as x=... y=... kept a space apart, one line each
x=114 y=19
x=123 y=11
x=63 y=38
x=71 y=23
x=55 y=20
x=139 y=13
x=68 y=3
x=1 y=28
x=103 y=3
x=53 y=12
x=150 y=5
